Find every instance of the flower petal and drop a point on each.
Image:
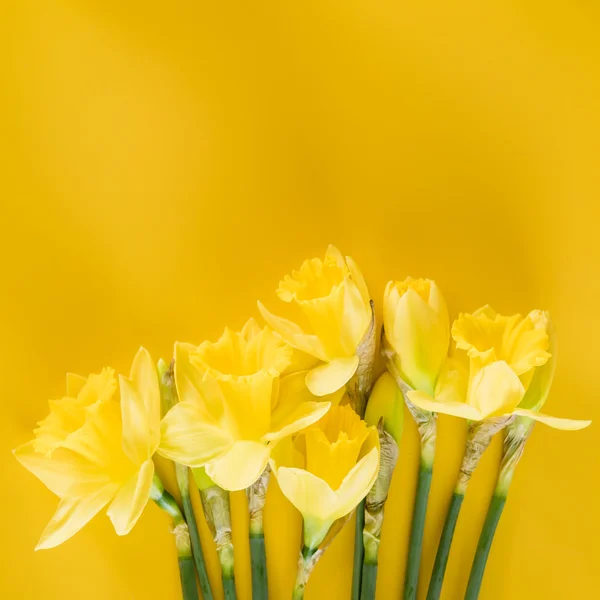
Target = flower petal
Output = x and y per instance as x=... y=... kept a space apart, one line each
x=357 y=483
x=556 y=422
x=240 y=467
x=293 y=334
x=358 y=279
x=73 y=513
x=131 y=499
x=495 y=390
x=187 y=438
x=302 y=416
x=332 y=376
x=75 y=384
x=455 y=409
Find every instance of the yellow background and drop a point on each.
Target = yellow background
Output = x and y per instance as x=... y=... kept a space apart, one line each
x=164 y=163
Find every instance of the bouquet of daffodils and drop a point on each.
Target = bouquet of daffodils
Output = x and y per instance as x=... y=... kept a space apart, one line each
x=296 y=401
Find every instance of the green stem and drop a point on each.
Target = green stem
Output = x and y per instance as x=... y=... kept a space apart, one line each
x=187 y=575
x=441 y=558
x=483 y=547
x=306 y=563
x=369 y=581
x=229 y=588
x=258 y=560
x=359 y=551
x=182 y=538
x=411 y=581
x=188 y=510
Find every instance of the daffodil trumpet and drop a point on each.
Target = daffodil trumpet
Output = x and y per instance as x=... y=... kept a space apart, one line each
x=516 y=435
x=187 y=572
x=415 y=343
x=168 y=400
x=215 y=504
x=325 y=472
x=385 y=409
x=256 y=495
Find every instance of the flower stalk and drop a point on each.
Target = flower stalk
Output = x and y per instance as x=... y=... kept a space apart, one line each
x=358 y=390
x=373 y=512
x=478 y=439
x=257 y=494
x=515 y=438
x=182 y=538
x=169 y=398
x=215 y=502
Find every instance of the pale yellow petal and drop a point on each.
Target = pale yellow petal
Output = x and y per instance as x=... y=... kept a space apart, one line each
x=308 y=493
x=302 y=416
x=555 y=422
x=240 y=467
x=131 y=499
x=145 y=380
x=293 y=334
x=357 y=483
x=73 y=513
x=455 y=409
x=332 y=376
x=356 y=317
x=420 y=337
x=334 y=255
x=386 y=401
x=187 y=438
x=452 y=382
x=496 y=390
x=359 y=280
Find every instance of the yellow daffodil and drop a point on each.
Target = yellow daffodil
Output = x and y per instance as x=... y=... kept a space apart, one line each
x=238 y=398
x=93 y=450
x=417 y=328
x=504 y=353
x=335 y=302
x=327 y=470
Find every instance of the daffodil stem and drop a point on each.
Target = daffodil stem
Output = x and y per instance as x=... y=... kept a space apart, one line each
x=515 y=438
x=484 y=545
x=443 y=551
x=182 y=538
x=369 y=581
x=411 y=580
x=306 y=563
x=182 y=473
x=257 y=494
x=359 y=551
x=229 y=592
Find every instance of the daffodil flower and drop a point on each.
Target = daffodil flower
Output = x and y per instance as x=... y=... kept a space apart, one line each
x=335 y=302
x=325 y=472
x=237 y=400
x=93 y=451
x=503 y=354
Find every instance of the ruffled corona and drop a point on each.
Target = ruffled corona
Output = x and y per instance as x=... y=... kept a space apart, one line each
x=238 y=397
x=334 y=299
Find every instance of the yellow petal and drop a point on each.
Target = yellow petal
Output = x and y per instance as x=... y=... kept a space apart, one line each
x=452 y=383
x=240 y=467
x=332 y=376
x=59 y=472
x=308 y=493
x=359 y=280
x=293 y=334
x=455 y=409
x=557 y=423
x=302 y=416
x=357 y=483
x=496 y=390
x=420 y=337
x=187 y=438
x=356 y=317
x=386 y=401
x=73 y=513
x=140 y=408
x=131 y=499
